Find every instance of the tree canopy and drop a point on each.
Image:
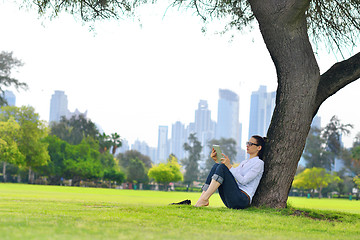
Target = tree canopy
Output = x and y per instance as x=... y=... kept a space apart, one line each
x=166 y=173
x=32 y=131
x=75 y=129
x=191 y=163
x=124 y=158
x=315 y=178
x=136 y=171
x=115 y=142
x=352 y=159
x=324 y=145
x=8 y=63
x=333 y=133
x=9 y=151
x=334 y=22
x=357 y=181
x=79 y=162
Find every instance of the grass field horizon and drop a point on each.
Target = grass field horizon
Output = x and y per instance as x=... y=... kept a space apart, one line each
x=54 y=212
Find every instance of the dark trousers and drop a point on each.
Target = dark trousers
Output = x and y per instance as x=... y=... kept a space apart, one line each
x=231 y=195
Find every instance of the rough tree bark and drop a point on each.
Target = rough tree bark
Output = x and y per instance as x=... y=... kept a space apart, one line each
x=301 y=90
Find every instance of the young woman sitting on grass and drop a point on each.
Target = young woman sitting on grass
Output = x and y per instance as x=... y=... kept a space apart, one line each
x=237 y=185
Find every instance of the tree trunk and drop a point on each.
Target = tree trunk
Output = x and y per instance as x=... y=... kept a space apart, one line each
x=4 y=171
x=285 y=35
x=18 y=177
x=30 y=176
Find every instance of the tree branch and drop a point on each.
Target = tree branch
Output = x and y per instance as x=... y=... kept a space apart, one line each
x=337 y=77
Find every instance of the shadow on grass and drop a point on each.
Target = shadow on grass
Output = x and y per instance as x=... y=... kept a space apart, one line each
x=317 y=215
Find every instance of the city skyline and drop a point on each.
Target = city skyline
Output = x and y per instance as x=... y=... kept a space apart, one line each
x=155 y=75
x=190 y=126
x=180 y=132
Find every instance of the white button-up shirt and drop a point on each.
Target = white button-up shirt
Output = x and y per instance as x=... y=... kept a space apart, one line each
x=248 y=175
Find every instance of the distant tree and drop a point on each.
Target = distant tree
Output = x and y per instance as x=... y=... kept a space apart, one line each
x=61 y=129
x=32 y=131
x=108 y=161
x=161 y=174
x=192 y=172
x=351 y=158
x=115 y=142
x=79 y=162
x=357 y=181
x=175 y=167
x=315 y=178
x=124 y=158
x=112 y=171
x=343 y=187
x=333 y=133
x=73 y=130
x=315 y=153
x=8 y=63
x=324 y=145
x=357 y=140
x=114 y=175
x=82 y=161
x=104 y=142
x=58 y=151
x=166 y=173
x=355 y=155
x=136 y=171
x=9 y=151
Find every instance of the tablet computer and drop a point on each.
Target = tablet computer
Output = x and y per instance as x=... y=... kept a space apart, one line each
x=218 y=153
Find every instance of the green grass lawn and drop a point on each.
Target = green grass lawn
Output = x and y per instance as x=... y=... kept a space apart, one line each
x=53 y=212
x=333 y=204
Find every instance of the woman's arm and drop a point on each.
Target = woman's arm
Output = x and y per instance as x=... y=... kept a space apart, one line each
x=250 y=175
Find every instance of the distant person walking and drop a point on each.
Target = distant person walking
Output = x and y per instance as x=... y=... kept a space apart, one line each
x=236 y=186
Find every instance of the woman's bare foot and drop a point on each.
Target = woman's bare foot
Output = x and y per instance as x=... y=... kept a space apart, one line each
x=202 y=203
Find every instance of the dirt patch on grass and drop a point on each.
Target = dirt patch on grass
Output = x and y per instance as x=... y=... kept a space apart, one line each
x=316 y=216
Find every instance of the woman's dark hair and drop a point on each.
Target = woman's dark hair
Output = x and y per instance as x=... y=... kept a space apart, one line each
x=261 y=141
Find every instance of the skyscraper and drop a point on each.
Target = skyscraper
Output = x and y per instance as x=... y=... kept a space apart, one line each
x=261 y=109
x=202 y=118
x=204 y=127
x=163 y=152
x=178 y=137
x=58 y=106
x=228 y=125
x=10 y=97
x=124 y=147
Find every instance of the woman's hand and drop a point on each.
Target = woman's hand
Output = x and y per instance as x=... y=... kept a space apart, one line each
x=213 y=155
x=225 y=160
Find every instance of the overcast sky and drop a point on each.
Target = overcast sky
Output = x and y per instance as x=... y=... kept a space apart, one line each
x=133 y=75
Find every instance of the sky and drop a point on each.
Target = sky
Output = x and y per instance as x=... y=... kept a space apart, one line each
x=134 y=74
